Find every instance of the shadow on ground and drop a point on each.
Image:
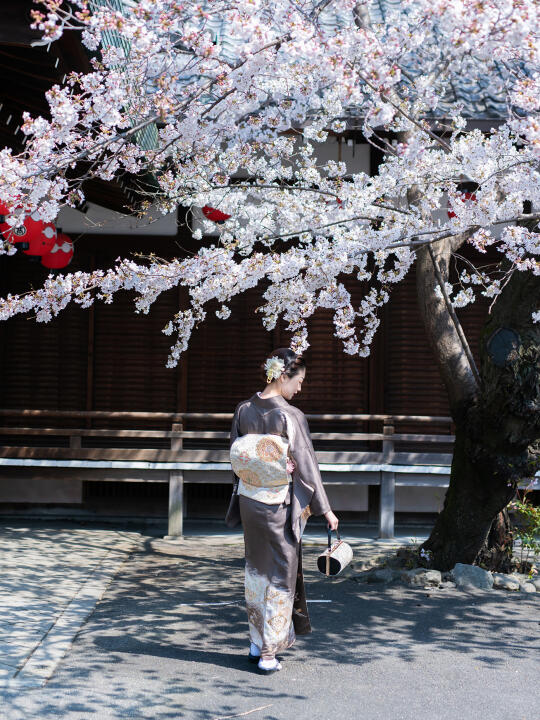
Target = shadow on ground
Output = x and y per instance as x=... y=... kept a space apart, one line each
x=169 y=640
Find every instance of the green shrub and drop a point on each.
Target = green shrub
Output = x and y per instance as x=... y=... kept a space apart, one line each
x=527 y=528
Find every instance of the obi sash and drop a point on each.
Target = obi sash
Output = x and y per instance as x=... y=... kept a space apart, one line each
x=260 y=462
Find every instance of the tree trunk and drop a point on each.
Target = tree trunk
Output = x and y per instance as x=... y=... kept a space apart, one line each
x=496 y=552
x=478 y=491
x=497 y=423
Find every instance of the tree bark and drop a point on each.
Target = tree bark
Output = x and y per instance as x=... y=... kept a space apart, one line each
x=496 y=552
x=497 y=423
x=443 y=337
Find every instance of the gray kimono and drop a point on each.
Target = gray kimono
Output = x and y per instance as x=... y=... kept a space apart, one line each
x=274 y=584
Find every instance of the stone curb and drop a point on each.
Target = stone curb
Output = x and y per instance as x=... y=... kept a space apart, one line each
x=54 y=644
x=414 y=579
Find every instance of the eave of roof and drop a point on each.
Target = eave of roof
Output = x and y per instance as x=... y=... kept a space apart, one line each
x=26 y=73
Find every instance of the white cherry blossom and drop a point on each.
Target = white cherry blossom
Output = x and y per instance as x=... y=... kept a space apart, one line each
x=228 y=105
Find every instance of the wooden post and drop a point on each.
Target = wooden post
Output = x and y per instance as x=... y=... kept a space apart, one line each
x=388 y=440
x=176 y=488
x=176 y=505
x=388 y=483
x=387 y=505
x=177 y=440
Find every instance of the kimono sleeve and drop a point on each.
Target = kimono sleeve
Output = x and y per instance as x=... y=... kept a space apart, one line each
x=304 y=457
x=235 y=432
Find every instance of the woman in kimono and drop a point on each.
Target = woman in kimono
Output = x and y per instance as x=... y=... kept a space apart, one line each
x=274 y=519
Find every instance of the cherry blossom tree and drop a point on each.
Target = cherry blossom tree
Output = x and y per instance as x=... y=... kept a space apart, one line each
x=226 y=104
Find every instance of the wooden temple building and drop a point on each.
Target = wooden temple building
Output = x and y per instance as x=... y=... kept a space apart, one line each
x=91 y=386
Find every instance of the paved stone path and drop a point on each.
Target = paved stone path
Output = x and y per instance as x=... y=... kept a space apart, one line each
x=168 y=639
x=50 y=581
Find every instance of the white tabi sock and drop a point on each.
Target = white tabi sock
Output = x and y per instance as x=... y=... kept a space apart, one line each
x=254 y=650
x=269 y=664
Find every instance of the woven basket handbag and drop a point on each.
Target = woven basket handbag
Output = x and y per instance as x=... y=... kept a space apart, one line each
x=336 y=557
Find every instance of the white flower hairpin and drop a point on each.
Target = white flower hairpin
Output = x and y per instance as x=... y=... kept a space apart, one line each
x=274 y=366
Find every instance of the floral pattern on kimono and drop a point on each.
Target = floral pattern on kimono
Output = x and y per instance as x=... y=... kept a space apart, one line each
x=269 y=611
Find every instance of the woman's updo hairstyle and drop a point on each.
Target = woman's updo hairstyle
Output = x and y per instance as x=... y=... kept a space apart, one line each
x=293 y=362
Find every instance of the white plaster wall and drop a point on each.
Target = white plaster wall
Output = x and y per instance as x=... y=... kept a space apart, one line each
x=419 y=499
x=342 y=497
x=40 y=490
x=100 y=221
x=355 y=155
x=408 y=499
x=347 y=497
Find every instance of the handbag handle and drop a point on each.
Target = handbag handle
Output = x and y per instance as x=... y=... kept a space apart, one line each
x=330 y=537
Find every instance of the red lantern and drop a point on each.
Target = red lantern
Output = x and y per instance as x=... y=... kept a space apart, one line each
x=60 y=255
x=4 y=212
x=464 y=197
x=214 y=214
x=35 y=236
x=14 y=236
x=41 y=236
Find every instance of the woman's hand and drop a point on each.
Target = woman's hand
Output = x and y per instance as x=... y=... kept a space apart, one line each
x=332 y=520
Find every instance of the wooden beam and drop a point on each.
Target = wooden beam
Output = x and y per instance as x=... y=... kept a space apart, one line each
x=179 y=417
x=215 y=434
x=161 y=455
x=119 y=454
x=85 y=432
x=95 y=414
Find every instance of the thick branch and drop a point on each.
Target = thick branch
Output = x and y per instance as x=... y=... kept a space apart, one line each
x=453 y=315
x=445 y=341
x=445 y=334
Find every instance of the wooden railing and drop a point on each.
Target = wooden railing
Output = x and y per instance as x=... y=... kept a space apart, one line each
x=163 y=456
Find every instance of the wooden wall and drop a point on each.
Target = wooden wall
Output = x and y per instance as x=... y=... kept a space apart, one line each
x=110 y=358
x=412 y=384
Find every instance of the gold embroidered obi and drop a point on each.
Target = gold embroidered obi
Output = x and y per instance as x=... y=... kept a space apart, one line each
x=260 y=461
